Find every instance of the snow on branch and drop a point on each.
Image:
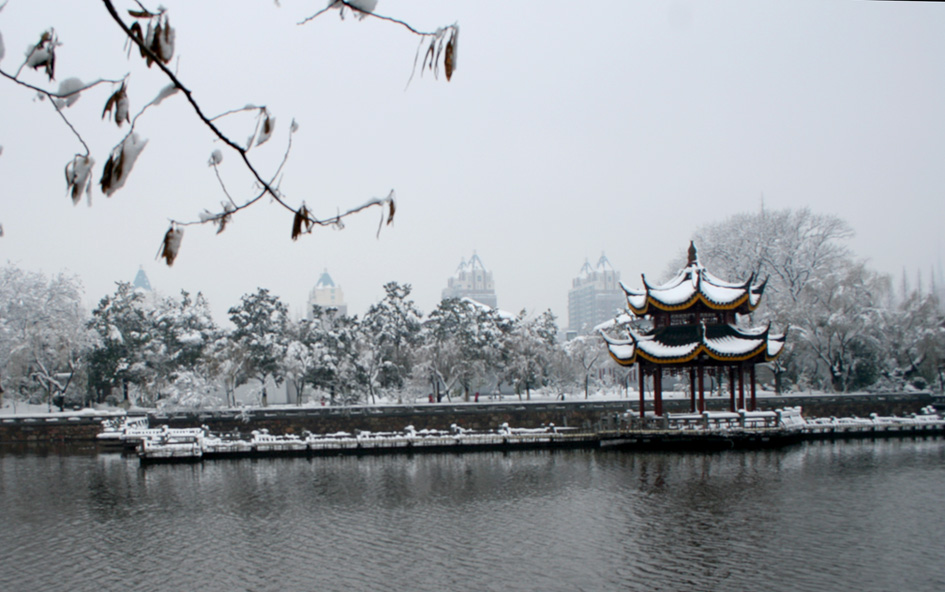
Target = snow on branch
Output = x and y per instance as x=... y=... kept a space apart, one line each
x=441 y=45
x=151 y=33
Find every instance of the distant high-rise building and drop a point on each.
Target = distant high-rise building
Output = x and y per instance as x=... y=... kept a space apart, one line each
x=472 y=281
x=595 y=296
x=326 y=295
x=141 y=280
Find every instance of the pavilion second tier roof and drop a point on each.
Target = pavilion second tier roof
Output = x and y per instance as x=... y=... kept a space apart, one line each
x=694 y=284
x=683 y=344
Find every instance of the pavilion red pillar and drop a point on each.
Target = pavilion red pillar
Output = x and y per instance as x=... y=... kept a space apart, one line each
x=701 y=388
x=731 y=388
x=751 y=376
x=741 y=387
x=658 y=391
x=692 y=390
x=641 y=372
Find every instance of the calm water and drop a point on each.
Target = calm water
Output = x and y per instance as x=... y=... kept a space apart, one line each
x=865 y=516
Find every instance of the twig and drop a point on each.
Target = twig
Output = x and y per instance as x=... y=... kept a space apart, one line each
x=370 y=14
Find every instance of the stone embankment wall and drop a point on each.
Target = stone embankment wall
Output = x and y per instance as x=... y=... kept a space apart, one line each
x=480 y=416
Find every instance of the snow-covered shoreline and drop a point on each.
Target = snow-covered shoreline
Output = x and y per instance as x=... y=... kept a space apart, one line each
x=7 y=409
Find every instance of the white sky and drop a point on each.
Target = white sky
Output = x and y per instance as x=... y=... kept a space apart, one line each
x=568 y=129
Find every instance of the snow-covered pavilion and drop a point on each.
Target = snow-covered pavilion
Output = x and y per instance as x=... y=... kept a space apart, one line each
x=692 y=326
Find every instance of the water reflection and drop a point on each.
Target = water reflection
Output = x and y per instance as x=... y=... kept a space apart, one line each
x=814 y=517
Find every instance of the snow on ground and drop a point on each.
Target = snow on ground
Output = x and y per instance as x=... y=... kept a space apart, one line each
x=29 y=410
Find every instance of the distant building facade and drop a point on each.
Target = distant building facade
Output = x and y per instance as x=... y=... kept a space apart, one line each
x=472 y=280
x=595 y=297
x=326 y=294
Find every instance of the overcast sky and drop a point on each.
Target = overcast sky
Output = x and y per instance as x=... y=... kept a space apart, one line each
x=569 y=129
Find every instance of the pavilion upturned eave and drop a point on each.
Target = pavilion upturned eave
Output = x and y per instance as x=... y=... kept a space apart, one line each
x=744 y=302
x=758 y=355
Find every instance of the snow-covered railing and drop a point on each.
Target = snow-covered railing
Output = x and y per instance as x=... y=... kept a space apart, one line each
x=791 y=418
x=263 y=441
x=721 y=420
x=875 y=424
x=160 y=447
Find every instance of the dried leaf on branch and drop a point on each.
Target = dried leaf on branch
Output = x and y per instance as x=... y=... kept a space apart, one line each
x=392 y=207
x=43 y=54
x=159 y=37
x=171 y=244
x=265 y=132
x=443 y=45
x=302 y=223
x=449 y=57
x=119 y=163
x=119 y=103
x=79 y=177
x=265 y=125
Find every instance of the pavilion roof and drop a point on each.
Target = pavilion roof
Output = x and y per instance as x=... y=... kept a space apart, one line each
x=683 y=344
x=691 y=285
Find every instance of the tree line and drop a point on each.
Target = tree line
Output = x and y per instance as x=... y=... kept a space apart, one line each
x=153 y=350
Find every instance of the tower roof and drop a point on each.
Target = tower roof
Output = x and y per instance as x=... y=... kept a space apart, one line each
x=141 y=280
x=694 y=284
x=603 y=264
x=325 y=281
x=586 y=269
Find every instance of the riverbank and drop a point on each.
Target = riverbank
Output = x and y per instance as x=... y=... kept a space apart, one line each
x=586 y=415
x=696 y=432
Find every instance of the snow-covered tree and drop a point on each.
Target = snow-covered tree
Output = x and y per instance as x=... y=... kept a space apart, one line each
x=187 y=328
x=150 y=38
x=187 y=335
x=152 y=347
x=914 y=341
x=789 y=249
x=262 y=322
x=530 y=345
x=839 y=326
x=463 y=346
x=391 y=330
x=43 y=337
x=587 y=355
x=122 y=357
x=226 y=360
x=338 y=369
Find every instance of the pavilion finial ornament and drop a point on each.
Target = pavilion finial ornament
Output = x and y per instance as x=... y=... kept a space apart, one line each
x=693 y=256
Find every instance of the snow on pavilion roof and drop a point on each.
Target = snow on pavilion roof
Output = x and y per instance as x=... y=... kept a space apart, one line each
x=693 y=284
x=682 y=344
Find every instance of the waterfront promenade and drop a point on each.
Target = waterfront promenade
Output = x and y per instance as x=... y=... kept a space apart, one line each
x=581 y=415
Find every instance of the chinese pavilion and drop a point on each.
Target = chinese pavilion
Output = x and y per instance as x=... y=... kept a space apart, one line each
x=692 y=326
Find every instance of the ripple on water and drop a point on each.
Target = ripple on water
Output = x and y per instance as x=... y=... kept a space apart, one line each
x=868 y=516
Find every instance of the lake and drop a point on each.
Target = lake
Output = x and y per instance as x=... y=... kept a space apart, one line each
x=862 y=515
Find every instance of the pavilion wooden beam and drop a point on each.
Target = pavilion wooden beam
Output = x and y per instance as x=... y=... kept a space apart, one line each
x=741 y=387
x=658 y=390
x=692 y=390
x=641 y=373
x=751 y=376
x=701 y=371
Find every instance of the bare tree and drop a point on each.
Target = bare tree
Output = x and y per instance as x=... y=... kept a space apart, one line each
x=150 y=35
x=788 y=247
